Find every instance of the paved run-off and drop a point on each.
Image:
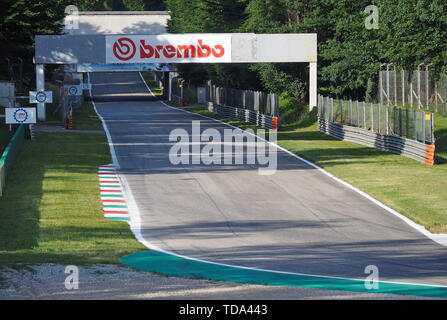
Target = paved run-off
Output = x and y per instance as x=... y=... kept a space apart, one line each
x=157 y=261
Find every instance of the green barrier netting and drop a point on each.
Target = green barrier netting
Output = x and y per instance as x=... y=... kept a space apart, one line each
x=10 y=154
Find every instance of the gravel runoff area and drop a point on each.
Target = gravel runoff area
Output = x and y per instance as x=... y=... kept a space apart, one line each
x=47 y=282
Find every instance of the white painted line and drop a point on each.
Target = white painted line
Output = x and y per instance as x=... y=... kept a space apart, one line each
x=121 y=210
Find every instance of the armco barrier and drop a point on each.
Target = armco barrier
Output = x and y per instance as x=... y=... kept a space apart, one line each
x=408 y=148
x=250 y=116
x=9 y=155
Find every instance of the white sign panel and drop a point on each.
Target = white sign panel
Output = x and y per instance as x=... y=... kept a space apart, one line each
x=168 y=48
x=20 y=115
x=40 y=97
x=74 y=90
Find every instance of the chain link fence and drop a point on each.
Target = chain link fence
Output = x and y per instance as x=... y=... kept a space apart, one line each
x=380 y=118
x=416 y=89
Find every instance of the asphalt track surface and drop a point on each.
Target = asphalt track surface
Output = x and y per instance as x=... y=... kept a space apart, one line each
x=297 y=220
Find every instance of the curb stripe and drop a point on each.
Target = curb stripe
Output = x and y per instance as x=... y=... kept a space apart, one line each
x=114 y=206
x=115 y=212
x=113 y=203
x=103 y=196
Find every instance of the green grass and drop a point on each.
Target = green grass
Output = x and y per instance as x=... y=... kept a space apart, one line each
x=85 y=118
x=441 y=138
x=51 y=210
x=147 y=75
x=415 y=190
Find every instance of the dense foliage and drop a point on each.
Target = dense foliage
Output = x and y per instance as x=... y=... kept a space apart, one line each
x=410 y=32
x=20 y=20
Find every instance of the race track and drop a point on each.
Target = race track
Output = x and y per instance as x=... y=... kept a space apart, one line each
x=296 y=220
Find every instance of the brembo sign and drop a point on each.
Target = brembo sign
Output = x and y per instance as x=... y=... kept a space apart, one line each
x=174 y=48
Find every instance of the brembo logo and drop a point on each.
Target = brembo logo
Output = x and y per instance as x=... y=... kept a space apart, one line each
x=124 y=49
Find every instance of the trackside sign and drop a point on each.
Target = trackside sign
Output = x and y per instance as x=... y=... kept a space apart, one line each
x=168 y=48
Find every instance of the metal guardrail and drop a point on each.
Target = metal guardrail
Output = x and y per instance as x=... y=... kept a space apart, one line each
x=391 y=143
x=249 y=116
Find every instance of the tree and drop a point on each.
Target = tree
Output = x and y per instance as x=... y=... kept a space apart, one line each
x=20 y=20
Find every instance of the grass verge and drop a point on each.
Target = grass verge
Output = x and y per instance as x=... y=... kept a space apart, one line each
x=147 y=75
x=85 y=118
x=51 y=211
x=411 y=188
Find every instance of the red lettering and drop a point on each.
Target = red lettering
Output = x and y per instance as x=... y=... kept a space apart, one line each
x=189 y=51
x=200 y=50
x=146 y=51
x=169 y=51
x=159 y=49
x=221 y=51
x=202 y=47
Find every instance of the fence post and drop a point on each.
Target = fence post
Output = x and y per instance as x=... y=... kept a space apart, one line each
x=387 y=120
x=378 y=118
x=364 y=115
x=407 y=125
x=423 y=127
x=372 y=116
x=415 y=125
x=394 y=120
x=395 y=84
x=432 y=135
x=381 y=85
x=387 y=84
x=400 y=122
x=358 y=114
x=403 y=86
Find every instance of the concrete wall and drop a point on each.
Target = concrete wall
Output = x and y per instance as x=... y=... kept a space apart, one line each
x=118 y=22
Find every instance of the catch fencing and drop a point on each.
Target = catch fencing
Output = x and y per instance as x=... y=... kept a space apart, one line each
x=257 y=101
x=255 y=107
x=417 y=89
x=398 y=130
